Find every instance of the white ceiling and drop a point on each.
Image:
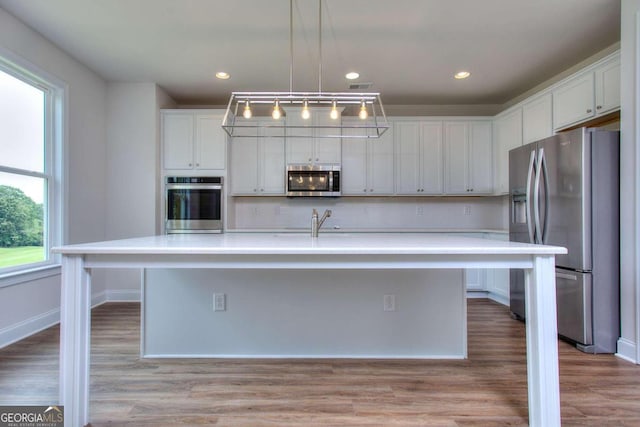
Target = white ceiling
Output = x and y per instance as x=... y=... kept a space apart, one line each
x=409 y=49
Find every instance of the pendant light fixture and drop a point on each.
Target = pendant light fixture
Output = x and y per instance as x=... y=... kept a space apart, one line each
x=276 y=114
x=370 y=122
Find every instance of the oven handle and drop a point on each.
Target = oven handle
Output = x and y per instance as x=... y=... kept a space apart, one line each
x=194 y=186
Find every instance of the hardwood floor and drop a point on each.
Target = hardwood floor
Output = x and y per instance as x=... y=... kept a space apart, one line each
x=488 y=389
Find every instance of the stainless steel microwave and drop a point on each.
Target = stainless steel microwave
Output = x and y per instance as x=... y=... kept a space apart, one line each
x=305 y=180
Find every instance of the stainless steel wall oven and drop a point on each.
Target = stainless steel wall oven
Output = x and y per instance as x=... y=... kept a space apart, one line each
x=193 y=204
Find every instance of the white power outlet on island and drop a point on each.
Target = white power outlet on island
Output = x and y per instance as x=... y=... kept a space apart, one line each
x=219 y=302
x=389 y=303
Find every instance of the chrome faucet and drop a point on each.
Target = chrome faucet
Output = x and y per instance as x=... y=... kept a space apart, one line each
x=317 y=223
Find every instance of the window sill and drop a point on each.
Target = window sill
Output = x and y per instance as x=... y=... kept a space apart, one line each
x=28 y=275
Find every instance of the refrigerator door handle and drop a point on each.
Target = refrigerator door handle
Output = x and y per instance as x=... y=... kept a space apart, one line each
x=536 y=203
x=545 y=180
x=532 y=160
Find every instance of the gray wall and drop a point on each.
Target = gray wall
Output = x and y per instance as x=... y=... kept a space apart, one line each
x=33 y=305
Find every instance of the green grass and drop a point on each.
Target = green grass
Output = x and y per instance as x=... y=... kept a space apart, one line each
x=10 y=257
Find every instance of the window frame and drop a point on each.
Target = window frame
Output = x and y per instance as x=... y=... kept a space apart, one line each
x=55 y=141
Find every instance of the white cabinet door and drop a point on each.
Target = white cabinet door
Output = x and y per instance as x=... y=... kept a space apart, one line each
x=177 y=140
x=408 y=166
x=474 y=279
x=480 y=158
x=309 y=146
x=354 y=167
x=573 y=101
x=257 y=165
x=432 y=158
x=327 y=150
x=607 y=77
x=507 y=131
x=211 y=142
x=272 y=167
x=193 y=140
x=380 y=176
x=244 y=166
x=497 y=280
x=537 y=119
x=456 y=164
x=468 y=157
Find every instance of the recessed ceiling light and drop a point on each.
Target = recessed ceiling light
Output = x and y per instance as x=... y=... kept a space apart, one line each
x=461 y=75
x=222 y=75
x=352 y=75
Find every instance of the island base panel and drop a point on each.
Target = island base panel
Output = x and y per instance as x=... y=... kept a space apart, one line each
x=304 y=313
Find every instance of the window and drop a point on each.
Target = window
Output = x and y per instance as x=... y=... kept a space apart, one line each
x=30 y=147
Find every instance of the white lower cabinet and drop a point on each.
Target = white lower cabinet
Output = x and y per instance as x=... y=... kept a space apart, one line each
x=494 y=283
x=497 y=280
x=257 y=166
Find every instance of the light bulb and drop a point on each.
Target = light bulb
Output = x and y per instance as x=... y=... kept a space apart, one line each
x=276 y=111
x=247 y=110
x=363 y=111
x=305 y=110
x=334 y=110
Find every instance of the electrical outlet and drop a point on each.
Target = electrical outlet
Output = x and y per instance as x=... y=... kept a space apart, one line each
x=419 y=210
x=219 y=302
x=467 y=210
x=389 y=303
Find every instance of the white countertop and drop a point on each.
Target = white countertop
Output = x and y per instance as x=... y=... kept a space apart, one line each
x=293 y=243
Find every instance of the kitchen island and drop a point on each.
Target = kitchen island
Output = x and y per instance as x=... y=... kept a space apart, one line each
x=353 y=252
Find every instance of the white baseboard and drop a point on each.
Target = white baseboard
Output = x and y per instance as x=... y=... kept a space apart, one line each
x=27 y=327
x=627 y=350
x=499 y=298
x=123 y=295
x=35 y=324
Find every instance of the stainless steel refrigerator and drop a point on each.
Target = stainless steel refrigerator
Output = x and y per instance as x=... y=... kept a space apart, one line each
x=564 y=191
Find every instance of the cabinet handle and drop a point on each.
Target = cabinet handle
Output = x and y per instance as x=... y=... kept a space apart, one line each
x=255 y=190
x=371 y=190
x=599 y=107
x=309 y=158
x=262 y=189
x=365 y=190
x=317 y=159
x=197 y=164
x=190 y=165
x=589 y=110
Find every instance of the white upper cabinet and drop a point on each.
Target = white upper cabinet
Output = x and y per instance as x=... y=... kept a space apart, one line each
x=607 y=82
x=589 y=94
x=481 y=158
x=507 y=132
x=367 y=165
x=418 y=156
x=537 y=119
x=468 y=166
x=573 y=101
x=193 y=140
x=257 y=165
x=309 y=145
